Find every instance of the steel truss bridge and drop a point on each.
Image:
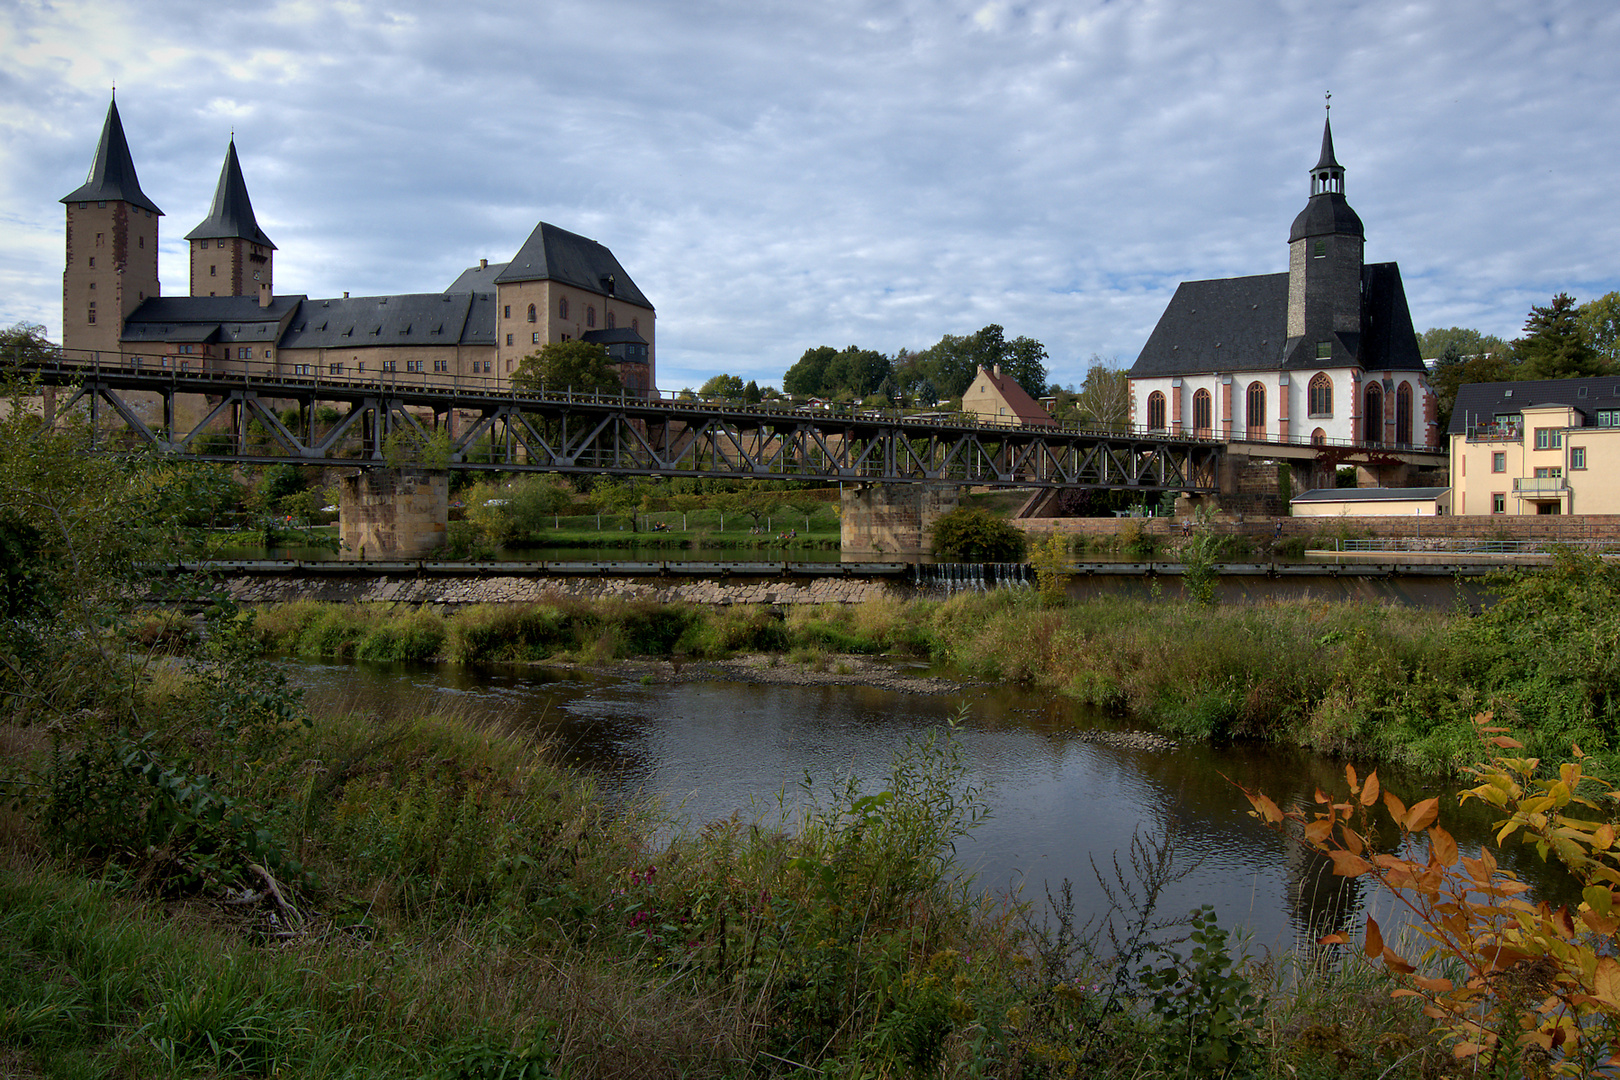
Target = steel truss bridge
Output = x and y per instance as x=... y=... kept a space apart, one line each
x=493 y=428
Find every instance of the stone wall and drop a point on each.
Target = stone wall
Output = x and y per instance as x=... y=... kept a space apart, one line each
x=883 y=520
x=390 y=513
x=472 y=588
x=1553 y=527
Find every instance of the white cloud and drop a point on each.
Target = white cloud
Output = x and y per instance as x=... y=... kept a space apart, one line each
x=876 y=172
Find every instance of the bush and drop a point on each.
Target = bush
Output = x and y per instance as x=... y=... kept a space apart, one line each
x=970 y=534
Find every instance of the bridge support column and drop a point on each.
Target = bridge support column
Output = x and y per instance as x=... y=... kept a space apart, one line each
x=393 y=513
x=879 y=521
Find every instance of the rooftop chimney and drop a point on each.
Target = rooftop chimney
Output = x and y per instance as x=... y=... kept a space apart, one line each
x=483 y=264
x=264 y=294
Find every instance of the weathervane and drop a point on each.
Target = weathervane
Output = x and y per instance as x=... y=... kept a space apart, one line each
x=1329 y=105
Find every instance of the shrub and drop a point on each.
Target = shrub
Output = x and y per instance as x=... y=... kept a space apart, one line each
x=971 y=534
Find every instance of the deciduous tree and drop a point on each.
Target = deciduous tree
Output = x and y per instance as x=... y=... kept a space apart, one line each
x=582 y=367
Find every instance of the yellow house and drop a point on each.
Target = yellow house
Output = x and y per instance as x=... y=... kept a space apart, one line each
x=1549 y=446
x=998 y=398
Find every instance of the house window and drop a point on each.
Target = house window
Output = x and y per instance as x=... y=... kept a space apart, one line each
x=1324 y=350
x=1577 y=457
x=1549 y=438
x=590 y=316
x=441 y=365
x=1498 y=502
x=388 y=365
x=487 y=366
x=1321 y=395
x=1548 y=472
x=92 y=313
x=531 y=313
x=300 y=369
x=562 y=308
x=1257 y=411
x=1608 y=418
x=509 y=339
x=413 y=365
x=1201 y=412
x=1156 y=411
x=1498 y=462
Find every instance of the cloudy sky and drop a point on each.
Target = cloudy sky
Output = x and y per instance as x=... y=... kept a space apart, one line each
x=777 y=176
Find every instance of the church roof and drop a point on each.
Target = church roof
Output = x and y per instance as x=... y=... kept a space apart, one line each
x=553 y=254
x=231 y=215
x=1241 y=324
x=1327 y=214
x=410 y=319
x=112 y=171
x=1476 y=401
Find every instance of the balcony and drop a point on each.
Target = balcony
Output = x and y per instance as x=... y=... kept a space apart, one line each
x=1540 y=485
x=1496 y=433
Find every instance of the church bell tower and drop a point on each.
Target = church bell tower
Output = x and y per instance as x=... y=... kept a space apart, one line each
x=1325 y=251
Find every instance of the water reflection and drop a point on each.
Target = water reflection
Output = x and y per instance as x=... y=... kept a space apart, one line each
x=1064 y=794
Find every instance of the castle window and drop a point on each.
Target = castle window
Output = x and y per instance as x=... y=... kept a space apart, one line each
x=562 y=308
x=92 y=317
x=210 y=271
x=590 y=316
x=1201 y=412
x=635 y=324
x=506 y=313
x=441 y=365
x=1318 y=437
x=1324 y=350
x=1321 y=395
x=101 y=206
x=413 y=365
x=334 y=369
x=1321 y=249
x=92 y=262
x=534 y=338
x=1156 y=411
x=487 y=366
x=84 y=206
x=509 y=339
x=531 y=313
x=388 y=365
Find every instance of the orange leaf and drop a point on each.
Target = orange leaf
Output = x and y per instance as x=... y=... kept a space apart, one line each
x=1350 y=778
x=1321 y=798
x=1374 y=945
x=1603 y=838
x=1352 y=840
x=1391 y=960
x=1606 y=981
x=1331 y=939
x=1438 y=986
x=1422 y=815
x=1600 y=924
x=1442 y=848
x=1348 y=865
x=1506 y=743
x=1268 y=809
x=1404 y=992
x=1397 y=809
x=1369 y=790
x=1467 y=1049
x=1319 y=830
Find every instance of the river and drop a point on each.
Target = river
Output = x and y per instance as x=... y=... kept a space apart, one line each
x=1065 y=789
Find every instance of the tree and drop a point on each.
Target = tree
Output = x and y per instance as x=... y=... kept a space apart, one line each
x=24 y=342
x=1600 y=321
x=804 y=379
x=1104 y=399
x=751 y=394
x=582 y=367
x=722 y=388
x=973 y=534
x=1463 y=356
x=1554 y=345
x=1026 y=363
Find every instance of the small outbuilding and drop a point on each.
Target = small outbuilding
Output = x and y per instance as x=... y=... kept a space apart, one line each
x=1373 y=502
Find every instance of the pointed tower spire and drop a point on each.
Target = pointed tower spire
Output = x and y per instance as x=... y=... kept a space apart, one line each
x=231 y=215
x=112 y=172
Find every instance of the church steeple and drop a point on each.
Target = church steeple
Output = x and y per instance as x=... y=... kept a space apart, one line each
x=1325 y=249
x=112 y=171
x=1327 y=178
x=230 y=254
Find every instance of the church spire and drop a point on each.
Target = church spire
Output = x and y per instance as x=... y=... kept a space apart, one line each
x=1327 y=177
x=112 y=171
x=231 y=215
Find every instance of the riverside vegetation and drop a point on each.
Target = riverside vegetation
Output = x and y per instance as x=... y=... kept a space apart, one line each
x=199 y=878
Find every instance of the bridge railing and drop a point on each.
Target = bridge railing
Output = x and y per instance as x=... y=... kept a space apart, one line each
x=308 y=376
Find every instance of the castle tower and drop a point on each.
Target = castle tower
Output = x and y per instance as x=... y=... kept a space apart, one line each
x=1325 y=250
x=111 y=264
x=230 y=255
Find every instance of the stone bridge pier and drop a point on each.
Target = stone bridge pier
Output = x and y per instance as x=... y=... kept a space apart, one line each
x=393 y=513
x=880 y=521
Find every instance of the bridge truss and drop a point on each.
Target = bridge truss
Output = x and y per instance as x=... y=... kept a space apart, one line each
x=488 y=428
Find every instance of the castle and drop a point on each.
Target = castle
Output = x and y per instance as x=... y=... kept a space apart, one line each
x=1325 y=353
x=559 y=286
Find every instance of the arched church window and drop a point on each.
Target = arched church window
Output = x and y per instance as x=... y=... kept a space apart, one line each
x=1201 y=414
x=611 y=321
x=1156 y=411
x=590 y=316
x=635 y=324
x=1321 y=395
x=1256 y=414
x=562 y=308
x=1318 y=437
x=531 y=313
x=1372 y=420
x=1403 y=414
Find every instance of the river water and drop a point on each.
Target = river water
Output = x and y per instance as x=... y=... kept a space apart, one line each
x=1065 y=789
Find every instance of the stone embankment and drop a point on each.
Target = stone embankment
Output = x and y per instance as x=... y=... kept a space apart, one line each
x=452 y=590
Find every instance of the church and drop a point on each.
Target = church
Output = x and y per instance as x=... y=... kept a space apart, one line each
x=558 y=287
x=1323 y=354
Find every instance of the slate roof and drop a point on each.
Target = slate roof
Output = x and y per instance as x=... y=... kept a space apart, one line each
x=553 y=254
x=1369 y=494
x=409 y=319
x=112 y=171
x=1240 y=324
x=231 y=215
x=477 y=278
x=1326 y=214
x=1485 y=400
x=209 y=318
x=619 y=335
